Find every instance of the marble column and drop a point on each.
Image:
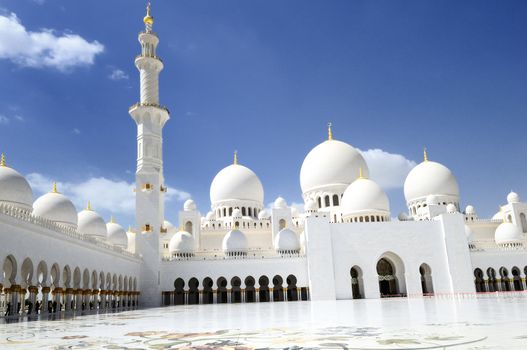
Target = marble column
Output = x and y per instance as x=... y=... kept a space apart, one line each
x=229 y=296
x=33 y=298
x=215 y=296
x=45 y=298
x=22 y=298
x=257 y=295
x=271 y=294
x=243 y=295
x=68 y=297
x=200 y=301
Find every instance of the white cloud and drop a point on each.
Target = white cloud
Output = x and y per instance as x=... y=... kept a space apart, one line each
x=39 y=2
x=118 y=74
x=44 y=48
x=19 y=118
x=76 y=131
x=4 y=119
x=389 y=170
x=107 y=196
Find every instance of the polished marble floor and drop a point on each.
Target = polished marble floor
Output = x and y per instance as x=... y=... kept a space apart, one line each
x=430 y=323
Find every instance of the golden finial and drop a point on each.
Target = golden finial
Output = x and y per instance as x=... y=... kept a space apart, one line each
x=2 y=160
x=112 y=220
x=55 y=187
x=361 y=175
x=88 y=207
x=330 y=132
x=235 y=157
x=425 y=155
x=148 y=19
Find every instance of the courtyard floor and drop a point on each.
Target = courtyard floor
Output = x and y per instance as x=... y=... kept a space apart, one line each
x=430 y=323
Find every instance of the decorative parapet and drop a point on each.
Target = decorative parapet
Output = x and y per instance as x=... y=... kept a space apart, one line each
x=491 y=246
x=26 y=216
x=139 y=104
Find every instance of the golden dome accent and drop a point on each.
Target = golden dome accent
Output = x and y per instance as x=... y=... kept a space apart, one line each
x=235 y=162
x=425 y=155
x=148 y=19
x=2 y=160
x=55 y=188
x=330 y=132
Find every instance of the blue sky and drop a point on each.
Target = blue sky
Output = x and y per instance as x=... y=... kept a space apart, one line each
x=264 y=77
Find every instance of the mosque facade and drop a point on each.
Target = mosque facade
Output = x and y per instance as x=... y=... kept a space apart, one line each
x=344 y=245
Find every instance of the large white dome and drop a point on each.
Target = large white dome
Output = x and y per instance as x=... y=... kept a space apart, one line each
x=430 y=178
x=56 y=207
x=236 y=182
x=91 y=224
x=181 y=243
x=507 y=233
x=331 y=163
x=364 y=195
x=234 y=242
x=117 y=234
x=286 y=241
x=14 y=188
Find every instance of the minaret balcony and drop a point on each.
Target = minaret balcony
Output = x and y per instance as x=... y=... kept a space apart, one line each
x=139 y=104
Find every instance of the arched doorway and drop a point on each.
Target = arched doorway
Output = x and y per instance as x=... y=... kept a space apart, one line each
x=236 y=292
x=250 y=291
x=479 y=281
x=278 y=292
x=492 y=282
x=179 y=292
x=193 y=291
x=516 y=279
x=208 y=294
x=292 y=292
x=263 y=281
x=356 y=283
x=426 y=279
x=221 y=292
x=390 y=271
x=505 y=282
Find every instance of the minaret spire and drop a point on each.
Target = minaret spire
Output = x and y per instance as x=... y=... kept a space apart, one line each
x=148 y=19
x=235 y=162
x=425 y=155
x=330 y=132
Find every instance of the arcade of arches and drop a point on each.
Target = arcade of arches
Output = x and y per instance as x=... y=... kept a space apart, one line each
x=237 y=290
x=28 y=289
x=502 y=280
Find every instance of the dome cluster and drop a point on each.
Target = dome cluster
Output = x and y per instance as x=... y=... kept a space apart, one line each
x=56 y=207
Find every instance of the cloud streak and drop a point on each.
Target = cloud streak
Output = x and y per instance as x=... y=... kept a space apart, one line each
x=118 y=74
x=105 y=195
x=44 y=48
x=389 y=170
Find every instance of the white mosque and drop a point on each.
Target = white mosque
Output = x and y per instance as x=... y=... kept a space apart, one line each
x=346 y=244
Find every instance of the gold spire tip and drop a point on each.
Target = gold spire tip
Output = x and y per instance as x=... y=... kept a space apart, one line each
x=2 y=160
x=148 y=19
x=112 y=220
x=88 y=207
x=425 y=155
x=235 y=158
x=330 y=132
x=361 y=175
x=55 y=187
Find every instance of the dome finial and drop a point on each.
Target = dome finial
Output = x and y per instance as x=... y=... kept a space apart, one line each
x=235 y=158
x=2 y=160
x=112 y=220
x=425 y=155
x=148 y=19
x=88 y=207
x=55 y=187
x=361 y=175
x=330 y=132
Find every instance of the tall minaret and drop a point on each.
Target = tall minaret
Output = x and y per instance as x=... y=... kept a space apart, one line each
x=150 y=118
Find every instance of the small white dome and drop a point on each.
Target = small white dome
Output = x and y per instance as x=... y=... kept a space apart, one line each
x=364 y=195
x=507 y=233
x=181 y=243
x=14 y=189
x=56 y=207
x=498 y=216
x=263 y=215
x=168 y=225
x=451 y=208
x=91 y=224
x=236 y=182
x=286 y=240
x=469 y=234
x=469 y=210
x=402 y=216
x=294 y=212
x=430 y=178
x=211 y=216
x=310 y=206
x=117 y=234
x=237 y=213
x=279 y=203
x=189 y=205
x=513 y=197
x=234 y=242
x=331 y=163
